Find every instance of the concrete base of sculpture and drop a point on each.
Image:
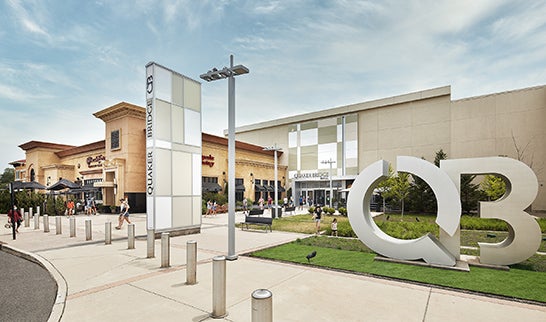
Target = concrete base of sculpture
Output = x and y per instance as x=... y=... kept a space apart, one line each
x=459 y=266
x=475 y=261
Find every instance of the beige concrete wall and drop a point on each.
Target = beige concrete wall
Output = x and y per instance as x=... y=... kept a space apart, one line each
x=416 y=128
x=496 y=124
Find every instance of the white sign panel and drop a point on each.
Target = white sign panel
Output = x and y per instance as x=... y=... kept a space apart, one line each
x=173 y=139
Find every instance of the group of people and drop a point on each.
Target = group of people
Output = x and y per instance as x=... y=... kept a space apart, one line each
x=211 y=208
x=317 y=216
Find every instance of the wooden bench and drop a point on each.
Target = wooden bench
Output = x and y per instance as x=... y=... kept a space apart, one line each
x=290 y=209
x=256 y=212
x=259 y=221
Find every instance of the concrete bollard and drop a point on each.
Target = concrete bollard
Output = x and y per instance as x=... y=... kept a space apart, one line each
x=218 y=287
x=262 y=306
x=22 y=210
x=30 y=212
x=165 y=250
x=36 y=221
x=46 y=223
x=58 y=225
x=26 y=218
x=88 y=230
x=108 y=233
x=191 y=262
x=72 y=221
x=131 y=236
x=38 y=210
x=150 y=243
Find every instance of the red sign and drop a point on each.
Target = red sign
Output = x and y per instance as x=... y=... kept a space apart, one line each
x=207 y=160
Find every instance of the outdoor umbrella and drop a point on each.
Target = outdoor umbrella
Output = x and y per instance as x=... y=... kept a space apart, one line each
x=63 y=184
x=32 y=185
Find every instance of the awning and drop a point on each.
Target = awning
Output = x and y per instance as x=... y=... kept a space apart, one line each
x=63 y=184
x=270 y=188
x=239 y=187
x=211 y=187
x=281 y=189
x=260 y=188
x=17 y=185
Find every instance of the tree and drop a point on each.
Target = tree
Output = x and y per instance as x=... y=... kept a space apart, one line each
x=384 y=187
x=493 y=186
x=440 y=155
x=400 y=187
x=470 y=193
x=7 y=177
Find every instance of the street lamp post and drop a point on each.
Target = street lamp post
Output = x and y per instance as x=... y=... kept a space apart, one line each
x=329 y=161
x=230 y=74
x=275 y=149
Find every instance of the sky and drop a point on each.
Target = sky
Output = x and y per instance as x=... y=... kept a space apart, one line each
x=63 y=60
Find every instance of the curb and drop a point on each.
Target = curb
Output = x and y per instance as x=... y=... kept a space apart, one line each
x=62 y=288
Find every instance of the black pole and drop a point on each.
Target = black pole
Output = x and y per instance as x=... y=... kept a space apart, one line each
x=12 y=201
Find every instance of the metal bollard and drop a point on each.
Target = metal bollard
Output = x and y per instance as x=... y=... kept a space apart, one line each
x=262 y=306
x=191 y=262
x=165 y=250
x=58 y=225
x=36 y=221
x=218 y=287
x=46 y=223
x=72 y=226
x=131 y=236
x=108 y=233
x=88 y=231
x=150 y=241
x=26 y=219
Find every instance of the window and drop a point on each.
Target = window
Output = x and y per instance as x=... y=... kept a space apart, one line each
x=115 y=140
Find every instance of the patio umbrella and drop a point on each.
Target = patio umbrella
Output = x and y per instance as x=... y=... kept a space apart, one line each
x=63 y=184
x=32 y=185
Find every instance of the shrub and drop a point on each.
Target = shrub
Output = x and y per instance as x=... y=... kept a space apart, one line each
x=342 y=211
x=328 y=210
x=311 y=210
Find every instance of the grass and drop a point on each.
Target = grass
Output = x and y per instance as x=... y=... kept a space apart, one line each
x=352 y=255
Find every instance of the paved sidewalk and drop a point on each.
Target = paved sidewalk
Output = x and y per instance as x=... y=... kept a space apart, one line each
x=113 y=283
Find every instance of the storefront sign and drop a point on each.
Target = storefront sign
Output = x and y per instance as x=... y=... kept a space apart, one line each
x=320 y=175
x=96 y=161
x=207 y=160
x=523 y=239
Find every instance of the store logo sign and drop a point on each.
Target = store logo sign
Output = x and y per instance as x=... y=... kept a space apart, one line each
x=522 y=188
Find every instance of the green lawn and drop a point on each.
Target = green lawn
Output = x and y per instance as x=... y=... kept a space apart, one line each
x=526 y=280
x=516 y=283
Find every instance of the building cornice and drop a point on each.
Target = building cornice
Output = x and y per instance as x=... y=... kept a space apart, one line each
x=98 y=146
x=45 y=145
x=209 y=138
x=119 y=110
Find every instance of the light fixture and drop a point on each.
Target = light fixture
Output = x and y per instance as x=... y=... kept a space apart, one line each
x=229 y=73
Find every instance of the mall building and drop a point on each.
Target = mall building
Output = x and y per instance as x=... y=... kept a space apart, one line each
x=113 y=168
x=320 y=154
x=325 y=150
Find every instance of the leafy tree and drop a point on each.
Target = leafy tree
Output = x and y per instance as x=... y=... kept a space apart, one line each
x=7 y=177
x=400 y=188
x=440 y=155
x=493 y=186
x=384 y=187
x=470 y=194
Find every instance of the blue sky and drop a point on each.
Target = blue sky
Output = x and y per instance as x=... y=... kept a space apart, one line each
x=61 y=61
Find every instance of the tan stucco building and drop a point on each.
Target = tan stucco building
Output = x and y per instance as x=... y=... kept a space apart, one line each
x=114 y=168
x=416 y=124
